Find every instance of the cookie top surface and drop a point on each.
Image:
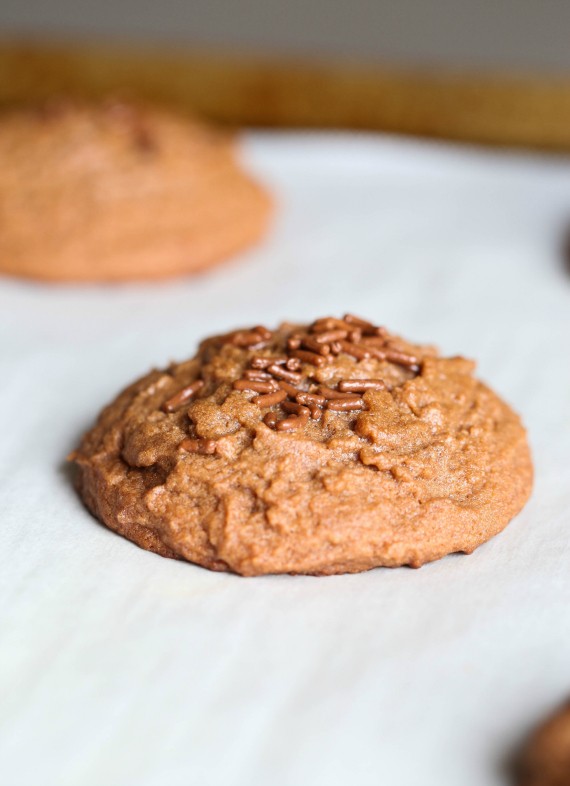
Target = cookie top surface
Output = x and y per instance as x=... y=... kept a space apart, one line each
x=116 y=190
x=327 y=448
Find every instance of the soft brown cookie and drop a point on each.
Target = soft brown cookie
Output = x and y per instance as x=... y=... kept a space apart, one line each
x=545 y=760
x=114 y=191
x=330 y=448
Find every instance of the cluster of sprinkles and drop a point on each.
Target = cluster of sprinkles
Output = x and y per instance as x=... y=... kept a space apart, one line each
x=280 y=381
x=282 y=384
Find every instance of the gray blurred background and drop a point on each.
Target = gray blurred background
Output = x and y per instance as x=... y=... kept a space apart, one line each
x=510 y=35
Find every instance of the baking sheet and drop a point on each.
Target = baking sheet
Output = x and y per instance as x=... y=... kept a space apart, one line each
x=120 y=667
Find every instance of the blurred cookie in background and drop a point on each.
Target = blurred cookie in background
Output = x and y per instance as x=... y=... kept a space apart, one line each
x=116 y=191
x=545 y=759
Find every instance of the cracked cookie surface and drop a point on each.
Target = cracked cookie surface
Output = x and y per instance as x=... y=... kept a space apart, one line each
x=327 y=448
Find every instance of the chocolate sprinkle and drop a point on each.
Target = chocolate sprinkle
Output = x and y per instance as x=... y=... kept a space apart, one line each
x=292 y=406
x=310 y=357
x=261 y=362
x=311 y=399
x=329 y=393
x=183 y=396
x=360 y=385
x=283 y=373
x=295 y=422
x=346 y=404
x=270 y=399
x=257 y=376
x=204 y=447
x=271 y=419
x=291 y=390
x=257 y=387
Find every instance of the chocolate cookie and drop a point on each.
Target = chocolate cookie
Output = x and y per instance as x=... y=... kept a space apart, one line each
x=546 y=758
x=329 y=448
x=115 y=191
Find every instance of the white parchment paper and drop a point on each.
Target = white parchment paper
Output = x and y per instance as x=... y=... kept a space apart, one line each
x=120 y=668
